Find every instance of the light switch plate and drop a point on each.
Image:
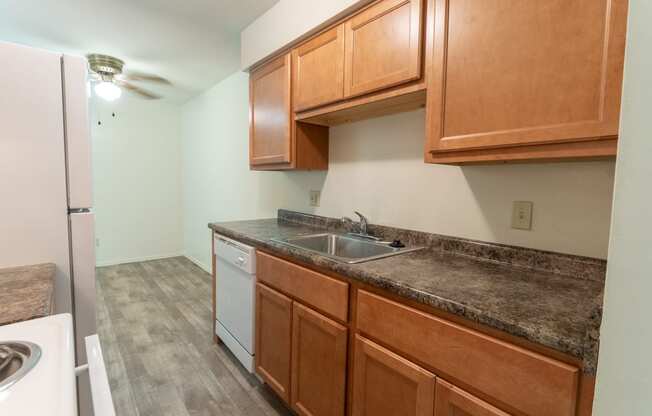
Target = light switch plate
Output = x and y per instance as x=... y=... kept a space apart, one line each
x=522 y=215
x=315 y=196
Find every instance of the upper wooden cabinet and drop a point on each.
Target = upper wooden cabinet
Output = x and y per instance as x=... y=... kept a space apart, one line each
x=270 y=139
x=383 y=46
x=318 y=68
x=525 y=76
x=276 y=140
x=452 y=401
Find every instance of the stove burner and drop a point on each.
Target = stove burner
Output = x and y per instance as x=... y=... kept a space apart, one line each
x=17 y=358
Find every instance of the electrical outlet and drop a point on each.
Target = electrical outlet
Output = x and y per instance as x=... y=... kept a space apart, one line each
x=315 y=196
x=97 y=242
x=522 y=215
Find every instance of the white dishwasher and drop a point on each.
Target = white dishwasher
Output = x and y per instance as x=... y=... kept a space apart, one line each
x=235 y=270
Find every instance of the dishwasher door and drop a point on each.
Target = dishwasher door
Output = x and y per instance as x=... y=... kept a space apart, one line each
x=235 y=295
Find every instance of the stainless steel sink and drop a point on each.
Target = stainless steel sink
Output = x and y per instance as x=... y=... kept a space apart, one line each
x=345 y=248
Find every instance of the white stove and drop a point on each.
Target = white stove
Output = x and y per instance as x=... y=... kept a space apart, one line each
x=49 y=387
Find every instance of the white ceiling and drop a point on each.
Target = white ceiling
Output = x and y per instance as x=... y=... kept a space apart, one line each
x=193 y=43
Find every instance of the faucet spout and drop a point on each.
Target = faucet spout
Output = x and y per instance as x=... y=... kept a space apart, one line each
x=363 y=223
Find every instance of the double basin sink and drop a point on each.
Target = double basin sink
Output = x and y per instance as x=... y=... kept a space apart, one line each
x=346 y=248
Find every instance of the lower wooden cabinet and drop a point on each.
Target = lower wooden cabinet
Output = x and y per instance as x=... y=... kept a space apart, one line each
x=300 y=354
x=318 y=363
x=326 y=364
x=273 y=339
x=387 y=384
x=452 y=401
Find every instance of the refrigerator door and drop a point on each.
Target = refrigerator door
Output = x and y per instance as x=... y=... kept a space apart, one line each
x=33 y=207
x=82 y=237
x=82 y=242
x=78 y=137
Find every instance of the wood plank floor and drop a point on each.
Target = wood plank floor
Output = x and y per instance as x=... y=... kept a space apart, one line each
x=154 y=323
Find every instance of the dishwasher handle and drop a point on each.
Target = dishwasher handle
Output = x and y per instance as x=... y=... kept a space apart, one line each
x=235 y=254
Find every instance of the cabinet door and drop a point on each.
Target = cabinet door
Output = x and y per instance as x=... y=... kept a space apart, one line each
x=389 y=385
x=273 y=339
x=318 y=363
x=318 y=70
x=513 y=72
x=452 y=401
x=270 y=135
x=383 y=46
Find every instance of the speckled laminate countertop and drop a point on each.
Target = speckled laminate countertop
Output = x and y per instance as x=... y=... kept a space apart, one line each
x=545 y=307
x=26 y=292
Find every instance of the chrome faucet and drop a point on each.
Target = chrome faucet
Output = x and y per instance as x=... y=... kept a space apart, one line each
x=362 y=225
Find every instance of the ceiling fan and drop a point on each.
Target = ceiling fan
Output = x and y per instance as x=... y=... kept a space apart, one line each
x=106 y=73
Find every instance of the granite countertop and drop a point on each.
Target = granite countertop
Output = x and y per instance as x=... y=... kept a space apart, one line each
x=544 y=307
x=26 y=292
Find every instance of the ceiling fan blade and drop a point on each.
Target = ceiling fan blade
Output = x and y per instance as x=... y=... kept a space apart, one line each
x=137 y=90
x=141 y=76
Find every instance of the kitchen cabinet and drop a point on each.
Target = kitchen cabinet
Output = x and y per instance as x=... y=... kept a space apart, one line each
x=452 y=401
x=529 y=382
x=519 y=80
x=383 y=46
x=388 y=355
x=302 y=352
x=319 y=357
x=318 y=70
x=271 y=115
x=386 y=384
x=276 y=140
x=273 y=339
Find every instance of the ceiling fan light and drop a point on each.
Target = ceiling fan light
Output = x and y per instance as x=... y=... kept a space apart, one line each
x=108 y=91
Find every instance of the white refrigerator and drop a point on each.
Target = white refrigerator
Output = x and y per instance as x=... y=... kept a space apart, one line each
x=45 y=179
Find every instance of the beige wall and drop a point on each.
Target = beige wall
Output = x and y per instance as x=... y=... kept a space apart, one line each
x=625 y=366
x=377 y=168
x=136 y=179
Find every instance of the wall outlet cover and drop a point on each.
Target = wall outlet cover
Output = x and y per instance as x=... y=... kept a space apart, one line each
x=522 y=215
x=315 y=196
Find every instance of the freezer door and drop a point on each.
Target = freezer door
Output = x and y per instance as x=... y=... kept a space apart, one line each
x=33 y=205
x=77 y=132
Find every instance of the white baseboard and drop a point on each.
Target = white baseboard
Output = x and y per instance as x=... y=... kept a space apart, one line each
x=136 y=259
x=199 y=263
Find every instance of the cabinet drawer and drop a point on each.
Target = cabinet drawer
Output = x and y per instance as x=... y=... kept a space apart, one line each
x=527 y=381
x=328 y=295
